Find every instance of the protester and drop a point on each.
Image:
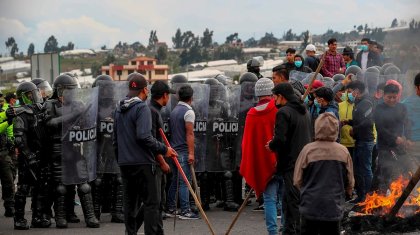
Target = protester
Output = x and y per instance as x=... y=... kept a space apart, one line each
x=290 y=59
x=333 y=61
x=135 y=148
x=348 y=57
x=324 y=96
x=311 y=61
x=181 y=124
x=281 y=75
x=322 y=199
x=392 y=124
x=258 y=164
x=291 y=134
x=299 y=65
x=345 y=111
x=413 y=109
x=362 y=131
x=367 y=57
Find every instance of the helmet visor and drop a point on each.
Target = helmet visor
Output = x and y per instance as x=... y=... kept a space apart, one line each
x=46 y=90
x=32 y=97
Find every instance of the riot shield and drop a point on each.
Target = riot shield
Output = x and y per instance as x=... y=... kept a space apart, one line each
x=328 y=82
x=247 y=101
x=200 y=105
x=79 y=144
x=297 y=75
x=110 y=93
x=371 y=80
x=222 y=128
x=309 y=77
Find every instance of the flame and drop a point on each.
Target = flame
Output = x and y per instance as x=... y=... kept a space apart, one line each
x=380 y=204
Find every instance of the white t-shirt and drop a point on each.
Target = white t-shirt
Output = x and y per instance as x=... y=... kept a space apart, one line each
x=364 y=60
x=189 y=116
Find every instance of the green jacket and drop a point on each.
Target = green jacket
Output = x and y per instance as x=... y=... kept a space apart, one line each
x=4 y=126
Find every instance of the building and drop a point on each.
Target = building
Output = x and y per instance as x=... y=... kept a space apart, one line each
x=77 y=53
x=144 y=65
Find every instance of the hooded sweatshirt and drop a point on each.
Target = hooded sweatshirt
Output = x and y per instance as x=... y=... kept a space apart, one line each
x=132 y=137
x=292 y=131
x=258 y=165
x=324 y=173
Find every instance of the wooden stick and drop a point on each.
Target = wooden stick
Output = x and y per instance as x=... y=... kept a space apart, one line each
x=176 y=198
x=197 y=202
x=239 y=211
x=407 y=191
x=318 y=69
x=194 y=179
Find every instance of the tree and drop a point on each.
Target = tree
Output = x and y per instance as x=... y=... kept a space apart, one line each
x=12 y=46
x=394 y=23
x=289 y=36
x=103 y=47
x=251 y=42
x=305 y=36
x=268 y=40
x=162 y=54
x=31 y=49
x=187 y=39
x=70 y=46
x=177 y=39
x=207 y=40
x=51 y=45
x=153 y=39
x=138 y=47
x=360 y=28
x=232 y=38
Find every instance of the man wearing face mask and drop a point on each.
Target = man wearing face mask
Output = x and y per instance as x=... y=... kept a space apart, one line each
x=299 y=65
x=362 y=124
x=367 y=58
x=345 y=110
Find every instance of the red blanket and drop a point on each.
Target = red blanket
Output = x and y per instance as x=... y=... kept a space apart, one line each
x=258 y=165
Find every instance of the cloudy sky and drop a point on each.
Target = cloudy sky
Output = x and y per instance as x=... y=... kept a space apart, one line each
x=93 y=23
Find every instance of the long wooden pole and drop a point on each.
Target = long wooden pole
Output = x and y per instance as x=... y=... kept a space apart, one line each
x=318 y=69
x=239 y=211
x=407 y=191
x=197 y=202
x=194 y=179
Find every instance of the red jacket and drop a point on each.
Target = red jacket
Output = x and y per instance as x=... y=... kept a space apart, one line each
x=258 y=165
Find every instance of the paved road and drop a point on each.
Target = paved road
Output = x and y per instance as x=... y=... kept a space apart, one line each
x=250 y=222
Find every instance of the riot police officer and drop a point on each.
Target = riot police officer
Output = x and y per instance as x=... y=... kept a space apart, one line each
x=64 y=202
x=44 y=87
x=108 y=176
x=253 y=66
x=30 y=137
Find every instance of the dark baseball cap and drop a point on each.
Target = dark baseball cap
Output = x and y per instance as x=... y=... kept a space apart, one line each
x=160 y=88
x=136 y=82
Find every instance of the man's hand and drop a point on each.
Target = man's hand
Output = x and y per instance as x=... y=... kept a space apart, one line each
x=165 y=167
x=351 y=133
x=347 y=80
x=171 y=152
x=191 y=159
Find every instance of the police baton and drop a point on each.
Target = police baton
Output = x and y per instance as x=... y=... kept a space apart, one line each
x=197 y=202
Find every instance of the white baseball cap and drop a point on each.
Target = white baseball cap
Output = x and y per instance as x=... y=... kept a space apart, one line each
x=310 y=47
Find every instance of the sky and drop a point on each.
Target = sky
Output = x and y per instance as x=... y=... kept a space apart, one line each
x=92 y=24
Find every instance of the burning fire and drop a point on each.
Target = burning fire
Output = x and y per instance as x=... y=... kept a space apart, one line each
x=379 y=204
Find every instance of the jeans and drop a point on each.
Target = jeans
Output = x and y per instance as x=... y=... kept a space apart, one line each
x=184 y=195
x=363 y=167
x=271 y=203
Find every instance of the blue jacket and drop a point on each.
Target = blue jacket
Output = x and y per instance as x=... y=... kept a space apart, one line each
x=132 y=139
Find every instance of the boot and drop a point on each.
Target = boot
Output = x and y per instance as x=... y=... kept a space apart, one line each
x=60 y=207
x=230 y=205
x=87 y=206
x=39 y=218
x=96 y=196
x=9 y=211
x=117 y=208
x=20 y=223
x=204 y=192
x=70 y=196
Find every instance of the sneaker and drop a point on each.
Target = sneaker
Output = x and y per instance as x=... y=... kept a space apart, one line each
x=189 y=215
x=259 y=208
x=171 y=213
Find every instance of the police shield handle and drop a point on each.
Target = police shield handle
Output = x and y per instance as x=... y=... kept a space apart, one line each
x=318 y=69
x=184 y=177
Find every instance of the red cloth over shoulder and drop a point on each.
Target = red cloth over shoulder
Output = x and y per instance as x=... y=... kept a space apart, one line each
x=258 y=165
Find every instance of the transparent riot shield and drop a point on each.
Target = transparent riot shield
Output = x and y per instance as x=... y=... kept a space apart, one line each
x=297 y=75
x=110 y=93
x=200 y=105
x=79 y=142
x=222 y=127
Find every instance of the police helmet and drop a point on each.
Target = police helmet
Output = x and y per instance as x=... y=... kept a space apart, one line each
x=179 y=78
x=28 y=93
x=102 y=77
x=248 y=77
